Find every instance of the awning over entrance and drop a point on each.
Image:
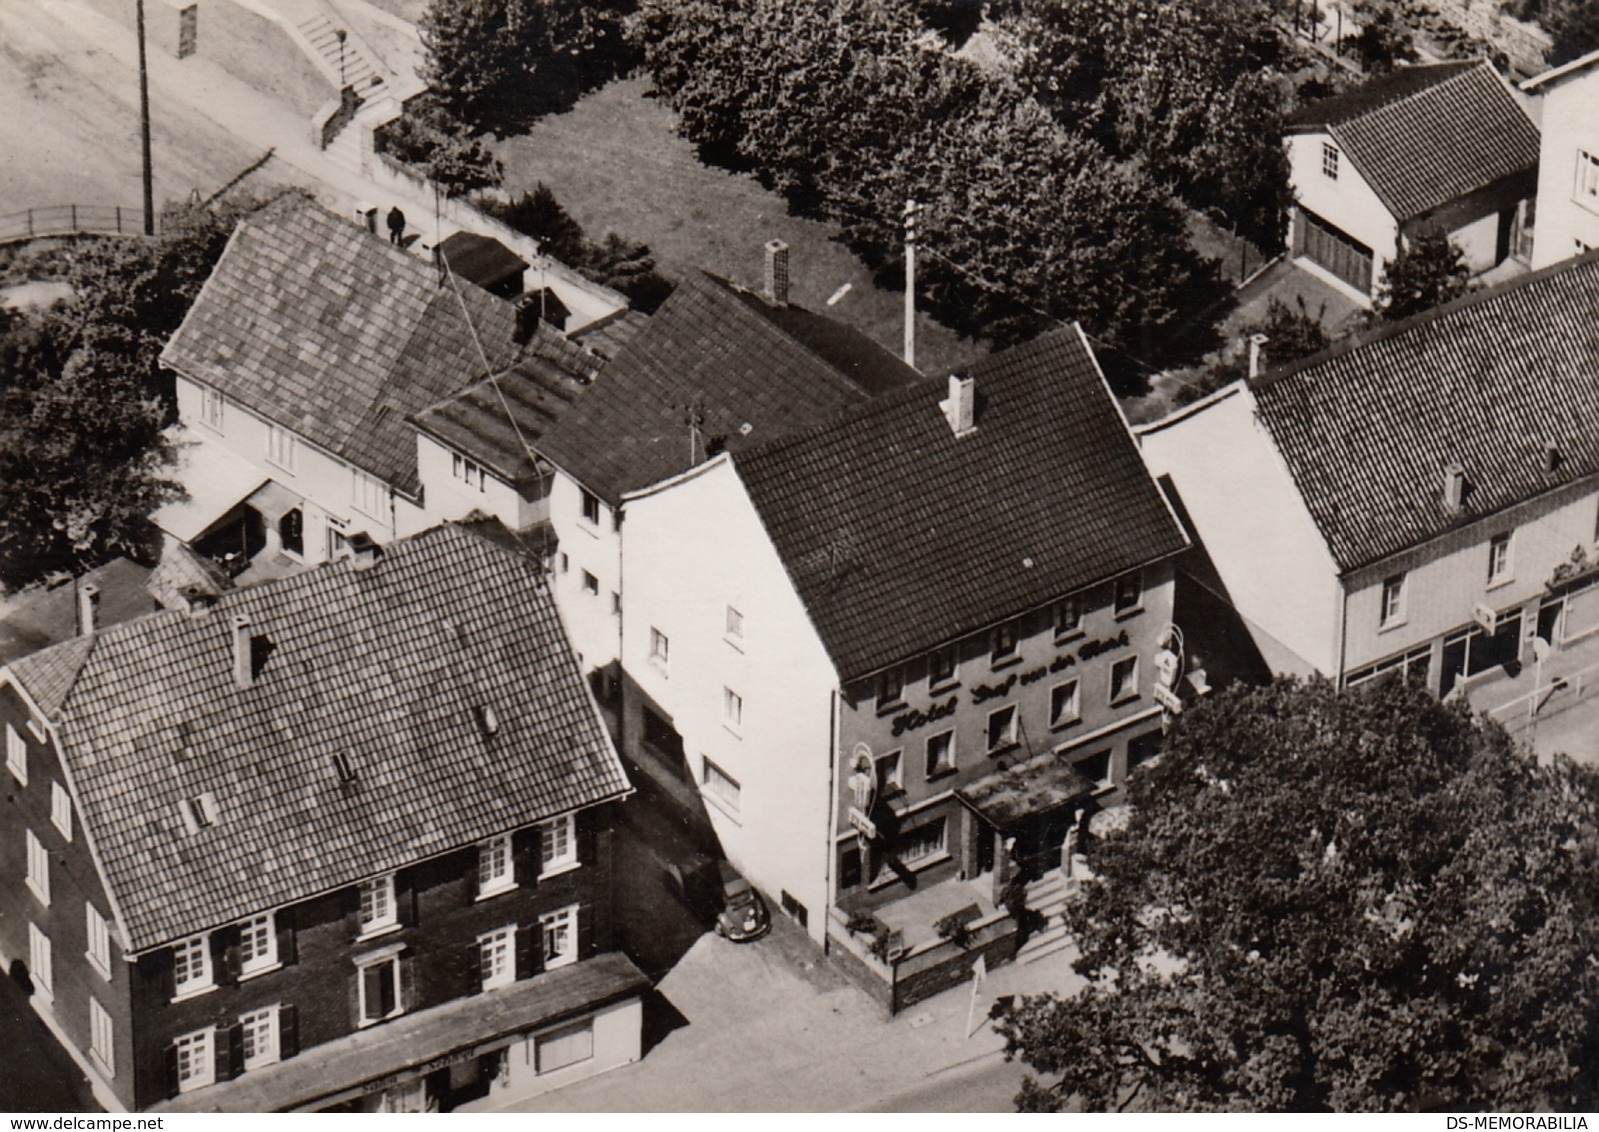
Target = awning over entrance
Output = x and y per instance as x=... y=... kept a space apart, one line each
x=216 y=480
x=273 y=500
x=1043 y=783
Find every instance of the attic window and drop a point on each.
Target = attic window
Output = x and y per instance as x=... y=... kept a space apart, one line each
x=488 y=719
x=198 y=812
x=1551 y=455
x=343 y=767
x=1329 y=161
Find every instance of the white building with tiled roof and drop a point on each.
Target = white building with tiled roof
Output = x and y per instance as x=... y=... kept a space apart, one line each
x=1422 y=499
x=337 y=840
x=1445 y=146
x=1568 y=167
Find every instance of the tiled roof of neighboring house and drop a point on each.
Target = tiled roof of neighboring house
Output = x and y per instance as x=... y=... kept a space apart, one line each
x=322 y=327
x=37 y=617
x=388 y=666
x=899 y=536
x=1368 y=427
x=496 y=420
x=184 y=575
x=747 y=369
x=1425 y=136
x=480 y=259
x=607 y=338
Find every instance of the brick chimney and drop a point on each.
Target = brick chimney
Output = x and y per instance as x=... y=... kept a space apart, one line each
x=243 y=653
x=1257 y=356
x=88 y=608
x=961 y=407
x=1454 y=488
x=364 y=552
x=777 y=273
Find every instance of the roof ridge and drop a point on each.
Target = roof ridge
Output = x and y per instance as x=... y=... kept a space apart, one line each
x=1431 y=88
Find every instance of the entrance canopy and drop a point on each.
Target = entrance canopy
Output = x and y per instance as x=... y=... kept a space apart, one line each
x=1043 y=783
x=216 y=479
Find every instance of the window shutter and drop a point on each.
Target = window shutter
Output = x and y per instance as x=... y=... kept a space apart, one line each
x=166 y=972
x=584 y=830
x=288 y=955
x=229 y=1050
x=405 y=899
x=225 y=955
x=525 y=857
x=528 y=940
x=474 y=968
x=172 y=1070
x=585 y=932
x=288 y=1030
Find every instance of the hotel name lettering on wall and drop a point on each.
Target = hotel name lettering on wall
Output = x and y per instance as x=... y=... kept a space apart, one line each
x=912 y=720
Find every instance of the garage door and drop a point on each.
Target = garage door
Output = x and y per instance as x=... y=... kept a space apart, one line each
x=1339 y=253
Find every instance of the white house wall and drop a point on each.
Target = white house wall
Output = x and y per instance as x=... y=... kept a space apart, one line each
x=448 y=497
x=1251 y=520
x=1566 y=217
x=591 y=618
x=1349 y=202
x=693 y=549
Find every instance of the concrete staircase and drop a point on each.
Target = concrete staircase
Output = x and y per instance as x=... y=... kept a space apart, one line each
x=355 y=69
x=1048 y=896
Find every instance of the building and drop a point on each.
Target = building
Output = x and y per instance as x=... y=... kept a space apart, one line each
x=1568 y=163
x=1420 y=499
x=296 y=367
x=337 y=840
x=1444 y=146
x=902 y=652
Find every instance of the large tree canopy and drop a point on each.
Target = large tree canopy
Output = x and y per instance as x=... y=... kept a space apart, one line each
x=1367 y=900
x=1429 y=271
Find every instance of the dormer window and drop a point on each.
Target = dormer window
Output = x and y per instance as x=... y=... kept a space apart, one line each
x=199 y=812
x=1329 y=161
x=343 y=768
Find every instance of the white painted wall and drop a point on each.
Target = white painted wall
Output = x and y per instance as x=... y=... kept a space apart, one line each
x=1479 y=240
x=1349 y=202
x=694 y=547
x=617 y=1042
x=1252 y=521
x=447 y=497
x=591 y=619
x=1570 y=125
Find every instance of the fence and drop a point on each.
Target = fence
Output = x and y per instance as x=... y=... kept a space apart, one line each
x=1518 y=714
x=73 y=220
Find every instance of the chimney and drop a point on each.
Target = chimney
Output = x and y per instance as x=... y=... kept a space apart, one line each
x=243 y=653
x=1454 y=488
x=1257 y=356
x=197 y=601
x=364 y=553
x=88 y=608
x=777 y=273
x=961 y=408
x=366 y=215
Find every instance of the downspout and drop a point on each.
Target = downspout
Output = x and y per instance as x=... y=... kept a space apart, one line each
x=1343 y=631
x=831 y=809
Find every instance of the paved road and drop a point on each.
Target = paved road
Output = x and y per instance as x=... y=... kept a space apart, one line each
x=986 y=1085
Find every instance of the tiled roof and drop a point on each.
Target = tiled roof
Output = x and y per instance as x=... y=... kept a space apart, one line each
x=899 y=536
x=1457 y=129
x=606 y=338
x=40 y=616
x=334 y=333
x=1368 y=427
x=387 y=665
x=749 y=369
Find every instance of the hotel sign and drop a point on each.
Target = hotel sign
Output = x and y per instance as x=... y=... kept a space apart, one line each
x=863 y=824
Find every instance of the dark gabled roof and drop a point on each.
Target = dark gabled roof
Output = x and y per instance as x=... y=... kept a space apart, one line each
x=749 y=370
x=324 y=328
x=1368 y=427
x=1424 y=136
x=387 y=665
x=480 y=259
x=41 y=616
x=899 y=536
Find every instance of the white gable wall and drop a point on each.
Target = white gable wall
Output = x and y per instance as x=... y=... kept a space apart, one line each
x=1348 y=202
x=1566 y=215
x=595 y=549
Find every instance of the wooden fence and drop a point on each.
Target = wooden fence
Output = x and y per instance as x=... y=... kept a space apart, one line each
x=73 y=220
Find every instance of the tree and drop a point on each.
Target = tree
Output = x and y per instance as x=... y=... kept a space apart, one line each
x=1573 y=24
x=1383 y=41
x=1429 y=270
x=1291 y=333
x=1325 y=901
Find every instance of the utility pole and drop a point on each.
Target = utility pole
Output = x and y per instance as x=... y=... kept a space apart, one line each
x=912 y=210
x=144 y=127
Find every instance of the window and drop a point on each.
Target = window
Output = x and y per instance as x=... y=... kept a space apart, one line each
x=1393 y=601
x=566 y=563
x=196 y=1061
x=1124 y=679
x=38 y=869
x=16 y=755
x=280 y=447
x=102 y=1043
x=1587 y=175
x=378 y=982
x=258 y=1034
x=496 y=957
x=660 y=648
x=1142 y=751
x=591 y=584
x=1415 y=666
x=1329 y=161
x=40 y=968
x=557 y=845
x=735 y=624
x=889 y=774
x=565 y=1046
x=940 y=753
x=560 y=937
x=616 y=603
x=211 y=402
x=367 y=493
x=943 y=668
x=922 y=843
x=61 y=809
x=720 y=785
x=99 y=937
x=1063 y=704
x=258 y=944
x=591 y=508
x=1094 y=767
x=191 y=966
x=378 y=909
x=495 y=869
x=1129 y=593
x=891 y=688
x=732 y=708
x=1499 y=559
x=1004 y=644
x=1002 y=728
x=1068 y=616
x=468 y=472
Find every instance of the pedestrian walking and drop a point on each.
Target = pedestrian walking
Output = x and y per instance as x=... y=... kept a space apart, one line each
x=396 y=226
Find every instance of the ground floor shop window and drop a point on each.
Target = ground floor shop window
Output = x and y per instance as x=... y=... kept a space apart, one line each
x=566 y=1046
x=1415 y=666
x=923 y=843
x=1472 y=651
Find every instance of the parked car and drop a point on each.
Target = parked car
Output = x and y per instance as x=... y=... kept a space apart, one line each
x=716 y=891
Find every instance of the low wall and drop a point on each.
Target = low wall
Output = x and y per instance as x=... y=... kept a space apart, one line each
x=333 y=116
x=260 y=51
x=926 y=969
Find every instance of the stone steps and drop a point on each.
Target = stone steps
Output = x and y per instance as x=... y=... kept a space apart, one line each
x=357 y=70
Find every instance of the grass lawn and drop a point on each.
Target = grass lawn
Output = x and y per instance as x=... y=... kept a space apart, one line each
x=616 y=163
